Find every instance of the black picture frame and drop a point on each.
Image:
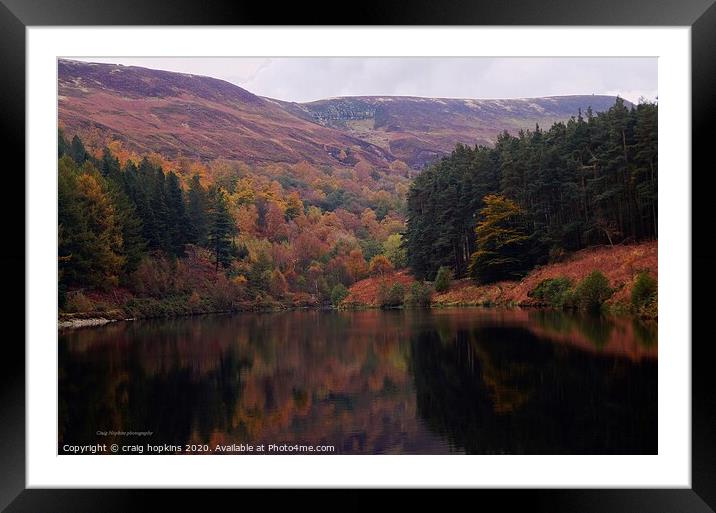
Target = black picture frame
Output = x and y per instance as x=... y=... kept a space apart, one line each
x=17 y=15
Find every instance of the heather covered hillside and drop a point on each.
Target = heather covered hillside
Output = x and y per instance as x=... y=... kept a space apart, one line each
x=177 y=114
x=201 y=118
x=418 y=131
x=622 y=265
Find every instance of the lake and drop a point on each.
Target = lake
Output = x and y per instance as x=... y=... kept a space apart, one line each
x=463 y=380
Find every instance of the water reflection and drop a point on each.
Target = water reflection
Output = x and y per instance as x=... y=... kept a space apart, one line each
x=425 y=382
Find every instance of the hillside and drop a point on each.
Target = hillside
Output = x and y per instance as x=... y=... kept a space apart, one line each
x=620 y=264
x=177 y=114
x=419 y=130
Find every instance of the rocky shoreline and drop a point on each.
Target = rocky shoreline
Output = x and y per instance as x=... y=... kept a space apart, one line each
x=83 y=323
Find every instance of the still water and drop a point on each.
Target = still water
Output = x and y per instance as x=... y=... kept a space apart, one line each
x=470 y=380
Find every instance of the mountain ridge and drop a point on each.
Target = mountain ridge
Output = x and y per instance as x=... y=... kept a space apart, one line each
x=181 y=114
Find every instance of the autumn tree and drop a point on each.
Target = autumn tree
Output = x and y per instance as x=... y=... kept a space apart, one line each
x=315 y=278
x=90 y=236
x=246 y=217
x=502 y=241
x=133 y=243
x=274 y=221
x=294 y=206
x=395 y=252
x=363 y=171
x=356 y=264
x=260 y=272
x=380 y=265
x=278 y=285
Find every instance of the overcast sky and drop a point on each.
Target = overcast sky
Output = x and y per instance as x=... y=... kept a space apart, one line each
x=305 y=79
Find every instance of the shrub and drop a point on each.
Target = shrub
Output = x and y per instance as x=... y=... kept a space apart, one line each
x=644 y=290
x=196 y=271
x=338 y=294
x=195 y=303
x=154 y=277
x=77 y=302
x=556 y=254
x=277 y=284
x=651 y=309
x=264 y=302
x=260 y=273
x=150 y=307
x=419 y=294
x=443 y=279
x=553 y=291
x=592 y=291
x=382 y=294
x=224 y=293
x=396 y=294
x=390 y=297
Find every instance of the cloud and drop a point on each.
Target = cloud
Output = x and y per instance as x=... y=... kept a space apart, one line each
x=312 y=78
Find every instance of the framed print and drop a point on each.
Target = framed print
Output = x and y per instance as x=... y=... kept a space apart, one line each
x=366 y=256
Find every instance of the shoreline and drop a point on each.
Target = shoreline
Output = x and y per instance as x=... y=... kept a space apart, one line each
x=620 y=265
x=94 y=319
x=85 y=323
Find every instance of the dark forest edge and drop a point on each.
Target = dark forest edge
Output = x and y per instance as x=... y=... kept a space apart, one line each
x=136 y=241
x=495 y=213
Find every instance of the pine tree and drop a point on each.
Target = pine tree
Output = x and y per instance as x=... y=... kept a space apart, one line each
x=646 y=154
x=77 y=150
x=72 y=225
x=63 y=148
x=177 y=224
x=221 y=227
x=197 y=205
x=160 y=228
x=591 y=180
x=109 y=166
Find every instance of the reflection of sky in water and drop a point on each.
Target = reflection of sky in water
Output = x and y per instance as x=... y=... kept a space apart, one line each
x=436 y=381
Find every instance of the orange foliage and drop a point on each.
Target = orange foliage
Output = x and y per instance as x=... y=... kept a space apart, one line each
x=619 y=264
x=122 y=153
x=246 y=218
x=356 y=264
x=380 y=265
x=275 y=224
x=158 y=160
x=363 y=171
x=365 y=292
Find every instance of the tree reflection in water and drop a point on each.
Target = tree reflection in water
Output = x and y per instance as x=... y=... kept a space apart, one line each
x=421 y=382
